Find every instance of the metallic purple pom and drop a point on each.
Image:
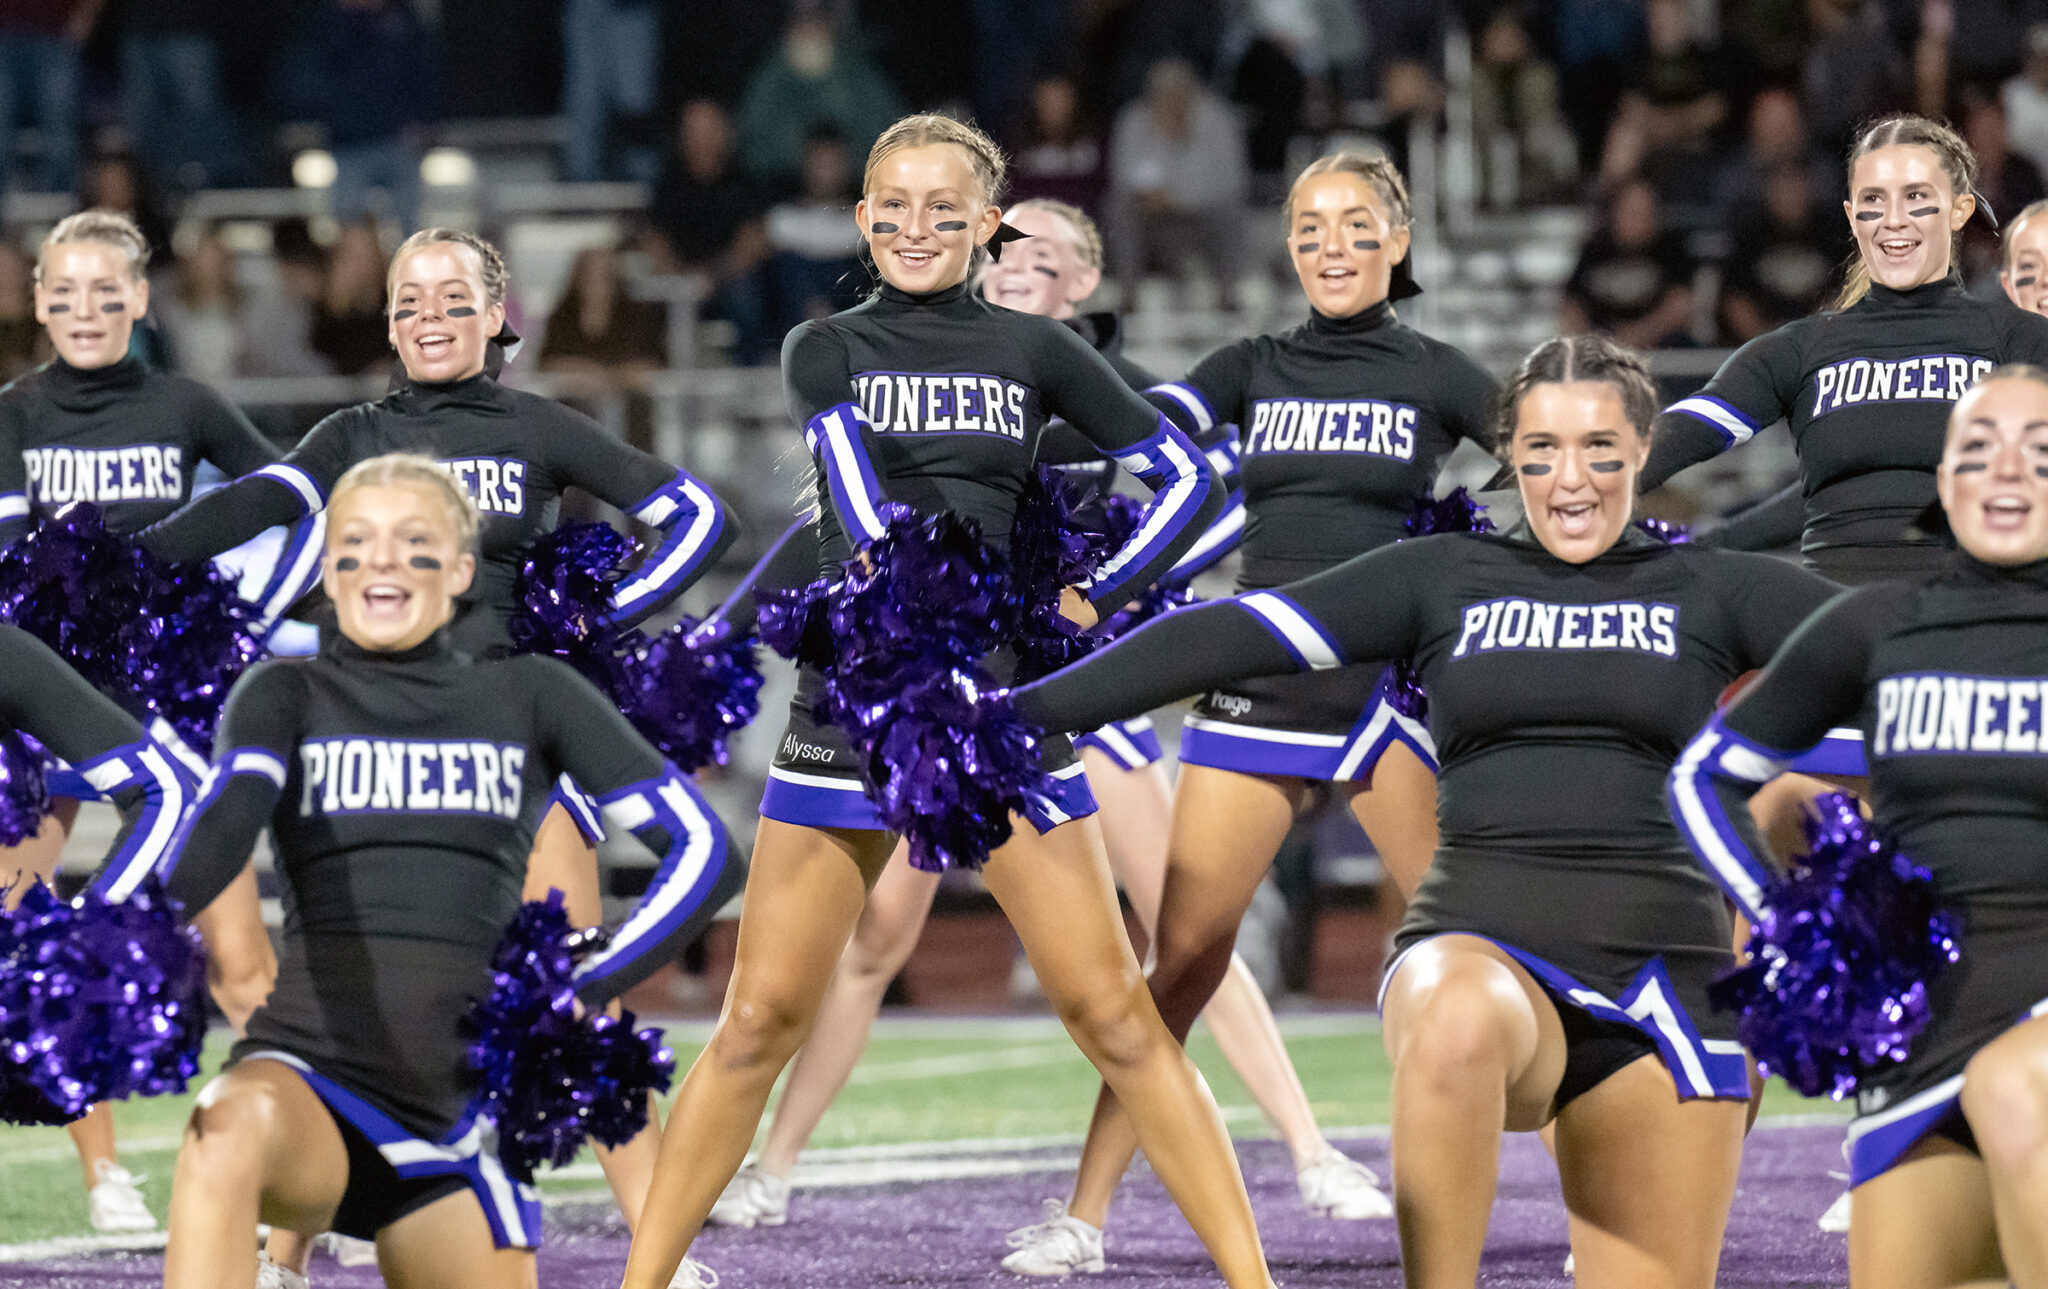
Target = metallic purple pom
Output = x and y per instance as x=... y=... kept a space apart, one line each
x=562 y=600
x=546 y=1076
x=1665 y=531
x=1454 y=512
x=946 y=764
x=792 y=622
x=24 y=796
x=173 y=637
x=690 y=689
x=1051 y=548
x=1836 y=985
x=98 y=1000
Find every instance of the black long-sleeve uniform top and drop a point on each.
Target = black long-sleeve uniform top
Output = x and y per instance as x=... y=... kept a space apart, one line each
x=515 y=453
x=1867 y=392
x=52 y=704
x=125 y=437
x=939 y=401
x=403 y=791
x=1560 y=694
x=1343 y=423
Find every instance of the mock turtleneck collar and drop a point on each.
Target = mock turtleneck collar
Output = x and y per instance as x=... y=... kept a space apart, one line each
x=1371 y=318
x=435 y=648
x=480 y=392
x=2034 y=575
x=1918 y=297
x=1632 y=542
x=949 y=294
x=89 y=388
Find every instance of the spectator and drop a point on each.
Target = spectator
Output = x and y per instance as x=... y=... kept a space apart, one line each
x=818 y=77
x=1853 y=71
x=1525 y=146
x=1776 y=137
x=707 y=219
x=1665 y=128
x=23 y=343
x=349 y=327
x=115 y=182
x=1600 y=44
x=381 y=93
x=609 y=49
x=1057 y=156
x=1404 y=71
x=602 y=343
x=172 y=103
x=2026 y=100
x=217 y=329
x=39 y=78
x=1633 y=280
x=2006 y=181
x=1783 y=264
x=813 y=244
x=1275 y=51
x=1015 y=42
x=279 y=341
x=1177 y=182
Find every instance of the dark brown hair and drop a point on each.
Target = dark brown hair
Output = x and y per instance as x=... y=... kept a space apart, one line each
x=1574 y=358
x=1909 y=130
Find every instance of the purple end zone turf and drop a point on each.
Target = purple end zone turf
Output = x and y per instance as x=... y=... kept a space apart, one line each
x=951 y=1233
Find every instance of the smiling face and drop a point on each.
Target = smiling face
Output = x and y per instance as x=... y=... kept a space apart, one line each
x=1993 y=476
x=440 y=318
x=394 y=564
x=2025 y=277
x=1904 y=211
x=1576 y=456
x=1343 y=243
x=88 y=300
x=1043 y=274
x=923 y=216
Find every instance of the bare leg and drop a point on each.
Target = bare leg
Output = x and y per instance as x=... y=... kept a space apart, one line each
x=93 y=1137
x=241 y=966
x=882 y=942
x=1477 y=1050
x=448 y=1245
x=1925 y=1223
x=1226 y=829
x=1648 y=1219
x=2005 y=1097
x=804 y=894
x=259 y=1147
x=1398 y=812
x=563 y=859
x=1058 y=894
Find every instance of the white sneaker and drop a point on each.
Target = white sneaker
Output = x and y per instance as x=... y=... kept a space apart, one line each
x=276 y=1275
x=115 y=1201
x=348 y=1250
x=1338 y=1186
x=1571 y=1264
x=752 y=1198
x=1836 y=1220
x=694 y=1275
x=1059 y=1246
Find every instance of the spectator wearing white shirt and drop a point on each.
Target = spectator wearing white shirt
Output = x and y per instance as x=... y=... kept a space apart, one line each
x=1178 y=181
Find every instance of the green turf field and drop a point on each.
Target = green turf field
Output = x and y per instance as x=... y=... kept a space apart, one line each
x=922 y=1080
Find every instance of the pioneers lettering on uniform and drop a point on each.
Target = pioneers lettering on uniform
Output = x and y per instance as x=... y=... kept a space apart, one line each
x=1515 y=623
x=1332 y=425
x=412 y=776
x=1931 y=712
x=496 y=484
x=1926 y=378
x=949 y=403
x=142 y=472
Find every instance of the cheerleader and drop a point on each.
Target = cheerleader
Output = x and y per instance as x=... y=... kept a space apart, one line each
x=2023 y=267
x=1051 y=274
x=1345 y=421
x=97 y=425
x=930 y=396
x=1554 y=962
x=344 y=1106
x=513 y=453
x=1943 y=677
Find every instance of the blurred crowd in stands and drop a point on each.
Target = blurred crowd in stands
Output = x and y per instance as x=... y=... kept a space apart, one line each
x=1703 y=137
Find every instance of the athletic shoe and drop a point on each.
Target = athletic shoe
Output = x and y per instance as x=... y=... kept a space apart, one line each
x=275 y=1275
x=1836 y=1220
x=1338 y=1186
x=1059 y=1246
x=752 y=1198
x=1571 y=1264
x=348 y=1250
x=115 y=1201
x=694 y=1275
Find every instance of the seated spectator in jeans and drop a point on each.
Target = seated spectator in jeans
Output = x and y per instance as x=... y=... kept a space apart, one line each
x=1056 y=155
x=1634 y=278
x=706 y=218
x=1177 y=182
x=813 y=245
x=1785 y=255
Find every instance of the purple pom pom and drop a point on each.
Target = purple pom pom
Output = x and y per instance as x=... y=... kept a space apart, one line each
x=794 y=622
x=946 y=764
x=562 y=601
x=24 y=795
x=1666 y=531
x=98 y=1000
x=546 y=1077
x=1454 y=512
x=1836 y=985
x=202 y=639
x=691 y=688
x=1050 y=550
